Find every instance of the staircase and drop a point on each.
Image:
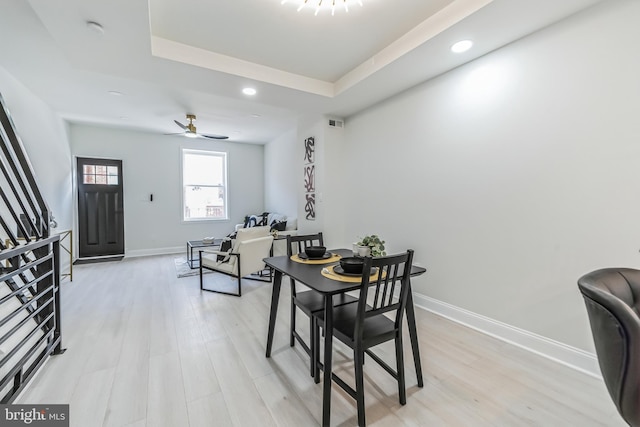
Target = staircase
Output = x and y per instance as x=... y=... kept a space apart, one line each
x=29 y=269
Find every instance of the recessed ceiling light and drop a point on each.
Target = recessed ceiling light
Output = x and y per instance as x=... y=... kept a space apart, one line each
x=255 y=116
x=461 y=46
x=95 y=27
x=249 y=91
x=115 y=93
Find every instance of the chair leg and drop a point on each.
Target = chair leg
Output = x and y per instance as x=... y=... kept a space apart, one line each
x=292 y=327
x=402 y=391
x=312 y=333
x=359 y=371
x=315 y=348
x=239 y=276
x=292 y=324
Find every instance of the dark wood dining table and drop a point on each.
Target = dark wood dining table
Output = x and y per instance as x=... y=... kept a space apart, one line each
x=311 y=276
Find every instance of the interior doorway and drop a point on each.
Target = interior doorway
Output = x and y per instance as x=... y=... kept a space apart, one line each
x=100 y=208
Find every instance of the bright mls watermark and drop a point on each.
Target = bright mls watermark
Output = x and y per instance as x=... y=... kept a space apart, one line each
x=34 y=415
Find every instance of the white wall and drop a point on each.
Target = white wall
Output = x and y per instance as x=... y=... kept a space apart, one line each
x=511 y=176
x=329 y=183
x=45 y=138
x=333 y=191
x=284 y=162
x=281 y=179
x=151 y=165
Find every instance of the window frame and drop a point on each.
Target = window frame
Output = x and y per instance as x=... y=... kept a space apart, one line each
x=224 y=186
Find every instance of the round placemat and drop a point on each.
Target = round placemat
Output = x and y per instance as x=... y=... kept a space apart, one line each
x=330 y=274
x=332 y=258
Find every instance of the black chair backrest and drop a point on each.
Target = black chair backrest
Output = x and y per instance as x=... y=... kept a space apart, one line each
x=303 y=241
x=388 y=289
x=612 y=297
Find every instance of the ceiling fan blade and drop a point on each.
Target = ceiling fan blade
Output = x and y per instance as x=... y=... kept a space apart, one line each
x=178 y=133
x=202 y=135
x=180 y=124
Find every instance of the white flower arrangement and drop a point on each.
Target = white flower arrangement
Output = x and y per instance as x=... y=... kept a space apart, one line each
x=374 y=243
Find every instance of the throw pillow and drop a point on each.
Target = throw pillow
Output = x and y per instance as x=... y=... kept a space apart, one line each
x=225 y=247
x=250 y=221
x=279 y=225
x=263 y=219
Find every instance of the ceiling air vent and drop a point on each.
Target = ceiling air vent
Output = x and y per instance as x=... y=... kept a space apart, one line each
x=336 y=123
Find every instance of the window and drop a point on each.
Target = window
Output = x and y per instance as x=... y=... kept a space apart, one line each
x=204 y=185
x=100 y=174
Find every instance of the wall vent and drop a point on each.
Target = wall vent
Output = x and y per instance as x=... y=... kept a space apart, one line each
x=336 y=123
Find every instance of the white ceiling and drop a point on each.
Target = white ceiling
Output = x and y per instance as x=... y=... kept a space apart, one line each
x=171 y=57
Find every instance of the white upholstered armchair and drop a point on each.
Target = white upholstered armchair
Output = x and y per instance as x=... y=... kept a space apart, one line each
x=245 y=257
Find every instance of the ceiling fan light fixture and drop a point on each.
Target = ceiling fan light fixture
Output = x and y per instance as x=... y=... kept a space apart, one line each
x=189 y=130
x=325 y=5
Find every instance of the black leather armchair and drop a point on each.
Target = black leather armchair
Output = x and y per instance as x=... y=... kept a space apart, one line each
x=612 y=297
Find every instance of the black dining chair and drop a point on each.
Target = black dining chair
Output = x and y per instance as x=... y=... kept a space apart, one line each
x=308 y=301
x=365 y=324
x=612 y=298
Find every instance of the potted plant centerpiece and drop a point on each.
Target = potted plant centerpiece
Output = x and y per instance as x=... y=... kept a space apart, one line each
x=371 y=245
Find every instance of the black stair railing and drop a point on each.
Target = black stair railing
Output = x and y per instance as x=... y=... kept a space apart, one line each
x=29 y=269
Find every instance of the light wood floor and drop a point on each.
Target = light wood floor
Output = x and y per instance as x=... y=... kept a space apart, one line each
x=145 y=348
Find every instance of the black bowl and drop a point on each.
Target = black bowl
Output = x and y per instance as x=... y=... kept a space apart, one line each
x=315 y=251
x=352 y=265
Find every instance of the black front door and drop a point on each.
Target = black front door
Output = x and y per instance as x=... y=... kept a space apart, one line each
x=100 y=208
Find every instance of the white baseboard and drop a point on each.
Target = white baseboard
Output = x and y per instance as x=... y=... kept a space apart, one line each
x=155 y=251
x=570 y=356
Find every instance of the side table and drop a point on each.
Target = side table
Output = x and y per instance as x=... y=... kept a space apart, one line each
x=198 y=244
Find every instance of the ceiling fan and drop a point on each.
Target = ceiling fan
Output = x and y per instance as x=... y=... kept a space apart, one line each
x=190 y=130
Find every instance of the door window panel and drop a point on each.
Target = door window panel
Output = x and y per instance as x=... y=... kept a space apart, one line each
x=100 y=174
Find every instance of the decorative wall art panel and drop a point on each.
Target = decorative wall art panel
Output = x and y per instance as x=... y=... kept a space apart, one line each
x=309 y=150
x=310 y=206
x=309 y=179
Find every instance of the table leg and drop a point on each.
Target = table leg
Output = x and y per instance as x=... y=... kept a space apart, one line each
x=275 y=296
x=328 y=353
x=413 y=336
